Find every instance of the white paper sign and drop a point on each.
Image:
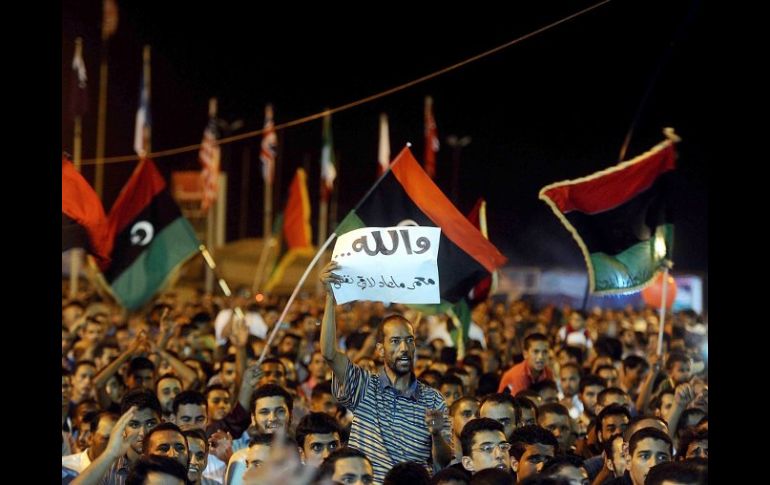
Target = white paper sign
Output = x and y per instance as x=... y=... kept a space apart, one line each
x=391 y=264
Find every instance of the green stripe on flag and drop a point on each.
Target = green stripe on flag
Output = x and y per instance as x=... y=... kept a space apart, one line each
x=151 y=269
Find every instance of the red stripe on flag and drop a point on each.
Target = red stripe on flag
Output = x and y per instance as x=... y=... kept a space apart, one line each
x=429 y=198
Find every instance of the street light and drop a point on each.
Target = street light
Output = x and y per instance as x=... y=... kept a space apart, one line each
x=457 y=144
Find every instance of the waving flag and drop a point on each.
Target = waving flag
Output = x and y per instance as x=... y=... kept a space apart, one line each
x=209 y=156
x=328 y=171
x=405 y=195
x=620 y=218
x=269 y=144
x=383 y=154
x=151 y=237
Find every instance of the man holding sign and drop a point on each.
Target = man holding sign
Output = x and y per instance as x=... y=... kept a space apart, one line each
x=397 y=418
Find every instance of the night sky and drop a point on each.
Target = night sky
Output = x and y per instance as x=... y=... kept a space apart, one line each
x=553 y=107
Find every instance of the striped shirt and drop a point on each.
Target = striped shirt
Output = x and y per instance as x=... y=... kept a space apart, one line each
x=117 y=473
x=388 y=426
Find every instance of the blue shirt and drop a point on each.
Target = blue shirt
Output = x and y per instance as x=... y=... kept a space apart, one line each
x=388 y=426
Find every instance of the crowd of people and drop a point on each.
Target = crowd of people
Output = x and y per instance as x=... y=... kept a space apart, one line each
x=367 y=394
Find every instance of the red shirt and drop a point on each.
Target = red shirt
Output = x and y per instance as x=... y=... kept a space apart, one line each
x=519 y=377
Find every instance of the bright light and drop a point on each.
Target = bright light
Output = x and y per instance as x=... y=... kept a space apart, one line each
x=660 y=244
x=259 y=297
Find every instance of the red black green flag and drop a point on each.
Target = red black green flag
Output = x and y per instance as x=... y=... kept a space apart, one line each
x=620 y=218
x=151 y=237
x=83 y=222
x=405 y=195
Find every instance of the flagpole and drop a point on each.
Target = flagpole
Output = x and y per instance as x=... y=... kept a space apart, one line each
x=267 y=246
x=209 y=283
x=317 y=256
x=662 y=309
x=222 y=283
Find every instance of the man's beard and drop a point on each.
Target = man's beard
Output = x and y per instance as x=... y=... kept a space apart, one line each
x=393 y=365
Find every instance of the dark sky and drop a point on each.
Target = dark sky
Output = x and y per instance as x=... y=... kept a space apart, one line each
x=554 y=107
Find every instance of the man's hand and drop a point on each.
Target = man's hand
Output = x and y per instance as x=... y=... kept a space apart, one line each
x=328 y=277
x=683 y=395
x=118 y=444
x=435 y=421
x=221 y=445
x=239 y=336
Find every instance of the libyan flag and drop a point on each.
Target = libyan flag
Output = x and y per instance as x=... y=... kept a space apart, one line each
x=620 y=219
x=83 y=222
x=151 y=237
x=405 y=195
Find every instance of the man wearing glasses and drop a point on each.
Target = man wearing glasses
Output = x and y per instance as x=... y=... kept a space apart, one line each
x=485 y=446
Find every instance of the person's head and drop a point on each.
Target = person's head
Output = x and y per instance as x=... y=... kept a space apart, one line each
x=271 y=407
x=273 y=372
x=590 y=387
x=227 y=371
x=679 y=367
x=317 y=367
x=166 y=439
x=188 y=410
x=71 y=313
x=422 y=364
x=105 y=353
x=157 y=470
x=141 y=373
x=82 y=377
x=100 y=429
x=289 y=345
x=451 y=388
x=612 y=395
x=500 y=407
x=663 y=404
x=461 y=411
x=259 y=450
x=92 y=332
x=641 y=422
x=407 y=472
x=569 y=376
x=431 y=378
x=395 y=344
x=676 y=473
x=693 y=444
x=484 y=445
x=611 y=420
x=322 y=400
x=526 y=411
x=167 y=388
x=492 y=476
x=217 y=402
x=547 y=390
x=531 y=446
x=567 y=466
x=689 y=419
x=614 y=458
x=146 y=417
x=453 y=476
x=555 y=418
x=536 y=351
x=610 y=374
x=347 y=466
x=318 y=435
x=198 y=447
x=83 y=411
x=634 y=370
x=646 y=448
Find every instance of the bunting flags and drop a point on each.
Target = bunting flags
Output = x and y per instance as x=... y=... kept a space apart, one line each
x=620 y=219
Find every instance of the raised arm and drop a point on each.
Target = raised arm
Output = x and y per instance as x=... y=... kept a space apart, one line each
x=116 y=447
x=337 y=360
